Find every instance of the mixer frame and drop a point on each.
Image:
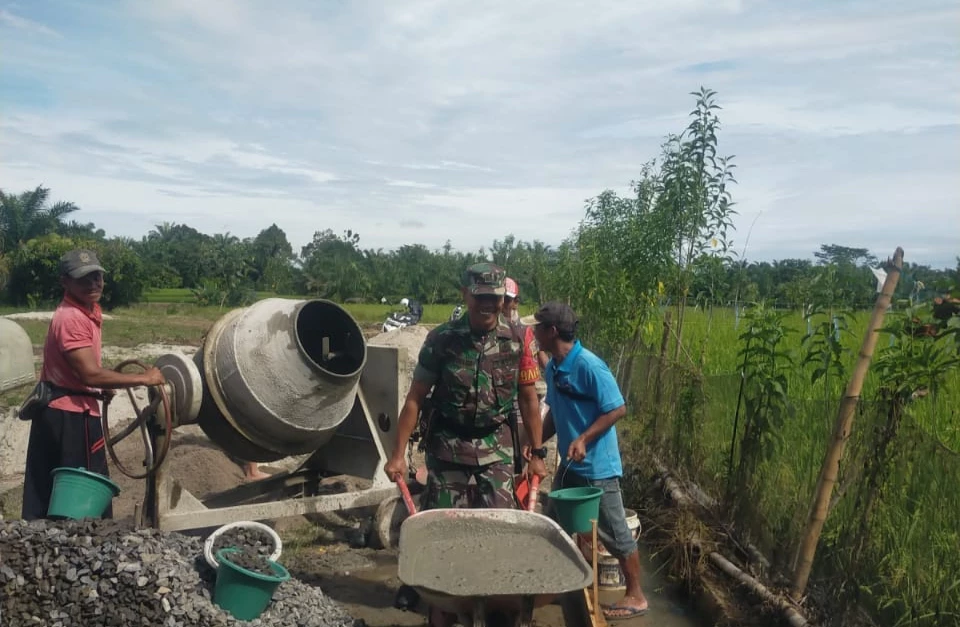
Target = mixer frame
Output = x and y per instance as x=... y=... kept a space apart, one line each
x=344 y=474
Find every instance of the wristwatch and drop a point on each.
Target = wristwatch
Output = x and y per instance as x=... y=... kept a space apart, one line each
x=539 y=452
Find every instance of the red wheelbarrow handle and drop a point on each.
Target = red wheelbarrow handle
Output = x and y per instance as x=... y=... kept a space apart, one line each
x=405 y=493
x=534 y=493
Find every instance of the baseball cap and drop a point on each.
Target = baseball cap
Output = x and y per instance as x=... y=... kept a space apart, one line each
x=554 y=314
x=511 y=288
x=79 y=263
x=484 y=278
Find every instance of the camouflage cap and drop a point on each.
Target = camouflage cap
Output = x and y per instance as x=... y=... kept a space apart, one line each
x=484 y=278
x=80 y=263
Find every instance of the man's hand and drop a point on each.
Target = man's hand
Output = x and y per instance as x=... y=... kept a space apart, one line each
x=535 y=466
x=578 y=450
x=395 y=468
x=153 y=376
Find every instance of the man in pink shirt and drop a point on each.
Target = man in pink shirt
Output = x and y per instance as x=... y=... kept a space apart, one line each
x=68 y=431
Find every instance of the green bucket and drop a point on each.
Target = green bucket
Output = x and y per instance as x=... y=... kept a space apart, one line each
x=79 y=493
x=243 y=593
x=576 y=507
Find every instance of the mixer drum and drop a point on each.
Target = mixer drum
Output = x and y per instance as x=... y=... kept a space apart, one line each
x=16 y=356
x=279 y=377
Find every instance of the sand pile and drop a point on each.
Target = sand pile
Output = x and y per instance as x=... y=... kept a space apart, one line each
x=408 y=338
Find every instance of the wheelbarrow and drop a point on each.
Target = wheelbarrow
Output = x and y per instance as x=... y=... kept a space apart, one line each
x=481 y=562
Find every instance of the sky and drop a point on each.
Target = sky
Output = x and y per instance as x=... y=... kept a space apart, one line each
x=424 y=121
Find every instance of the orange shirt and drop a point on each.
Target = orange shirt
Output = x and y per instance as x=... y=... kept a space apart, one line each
x=73 y=326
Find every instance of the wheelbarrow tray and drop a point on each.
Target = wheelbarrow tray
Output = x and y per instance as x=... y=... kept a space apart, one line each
x=508 y=559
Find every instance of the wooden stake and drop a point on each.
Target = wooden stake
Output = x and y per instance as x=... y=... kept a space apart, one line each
x=831 y=462
x=596 y=576
x=591 y=616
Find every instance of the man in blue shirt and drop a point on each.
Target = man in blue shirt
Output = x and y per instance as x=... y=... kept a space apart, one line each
x=585 y=403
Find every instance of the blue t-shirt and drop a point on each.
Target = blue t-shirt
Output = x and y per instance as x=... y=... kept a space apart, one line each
x=579 y=390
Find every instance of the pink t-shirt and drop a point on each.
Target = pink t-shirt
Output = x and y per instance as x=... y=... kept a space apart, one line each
x=72 y=327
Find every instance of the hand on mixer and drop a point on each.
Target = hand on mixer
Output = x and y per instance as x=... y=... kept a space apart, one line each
x=395 y=468
x=153 y=376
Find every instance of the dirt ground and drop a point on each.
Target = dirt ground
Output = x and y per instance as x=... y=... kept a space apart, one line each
x=194 y=461
x=318 y=550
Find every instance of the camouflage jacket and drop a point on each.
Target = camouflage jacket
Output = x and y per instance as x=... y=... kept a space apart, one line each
x=475 y=380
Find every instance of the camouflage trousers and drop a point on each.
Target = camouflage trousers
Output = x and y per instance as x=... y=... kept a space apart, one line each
x=448 y=486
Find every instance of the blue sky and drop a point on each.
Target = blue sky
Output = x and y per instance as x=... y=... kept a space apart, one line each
x=427 y=121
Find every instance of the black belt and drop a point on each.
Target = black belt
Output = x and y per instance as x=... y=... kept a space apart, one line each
x=469 y=433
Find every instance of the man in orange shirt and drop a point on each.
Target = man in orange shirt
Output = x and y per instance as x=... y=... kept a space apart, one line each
x=68 y=431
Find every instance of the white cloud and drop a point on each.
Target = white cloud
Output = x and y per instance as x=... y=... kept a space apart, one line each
x=20 y=23
x=475 y=120
x=413 y=184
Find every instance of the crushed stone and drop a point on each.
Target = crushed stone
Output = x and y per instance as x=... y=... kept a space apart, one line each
x=96 y=572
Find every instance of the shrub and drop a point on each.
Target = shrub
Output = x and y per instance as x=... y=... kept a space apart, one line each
x=35 y=271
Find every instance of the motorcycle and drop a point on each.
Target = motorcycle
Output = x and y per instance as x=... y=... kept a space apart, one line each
x=399 y=320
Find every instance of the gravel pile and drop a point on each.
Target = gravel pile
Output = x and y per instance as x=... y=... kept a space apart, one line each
x=93 y=572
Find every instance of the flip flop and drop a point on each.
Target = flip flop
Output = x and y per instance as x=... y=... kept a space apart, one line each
x=631 y=612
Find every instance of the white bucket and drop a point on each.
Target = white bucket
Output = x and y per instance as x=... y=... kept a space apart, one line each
x=245 y=524
x=609 y=574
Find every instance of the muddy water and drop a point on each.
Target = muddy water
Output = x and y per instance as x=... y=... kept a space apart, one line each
x=667 y=609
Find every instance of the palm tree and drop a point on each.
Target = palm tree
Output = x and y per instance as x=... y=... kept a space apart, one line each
x=163 y=232
x=26 y=216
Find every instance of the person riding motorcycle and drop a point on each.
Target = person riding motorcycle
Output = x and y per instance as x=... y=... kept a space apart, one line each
x=413 y=307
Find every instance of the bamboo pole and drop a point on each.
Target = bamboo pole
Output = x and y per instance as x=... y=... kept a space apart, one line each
x=788 y=612
x=598 y=616
x=841 y=433
x=792 y=617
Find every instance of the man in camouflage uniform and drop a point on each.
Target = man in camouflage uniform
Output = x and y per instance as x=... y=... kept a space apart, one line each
x=477 y=366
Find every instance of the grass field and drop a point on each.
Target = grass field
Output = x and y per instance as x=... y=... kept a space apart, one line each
x=909 y=570
x=363 y=312
x=186 y=323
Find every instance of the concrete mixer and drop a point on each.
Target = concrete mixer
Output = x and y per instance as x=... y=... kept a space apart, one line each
x=16 y=356
x=279 y=378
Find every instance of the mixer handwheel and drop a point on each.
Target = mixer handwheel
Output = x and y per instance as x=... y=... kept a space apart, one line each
x=159 y=402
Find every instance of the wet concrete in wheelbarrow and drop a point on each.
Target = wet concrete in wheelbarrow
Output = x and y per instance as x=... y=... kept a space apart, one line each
x=486 y=556
x=365 y=581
